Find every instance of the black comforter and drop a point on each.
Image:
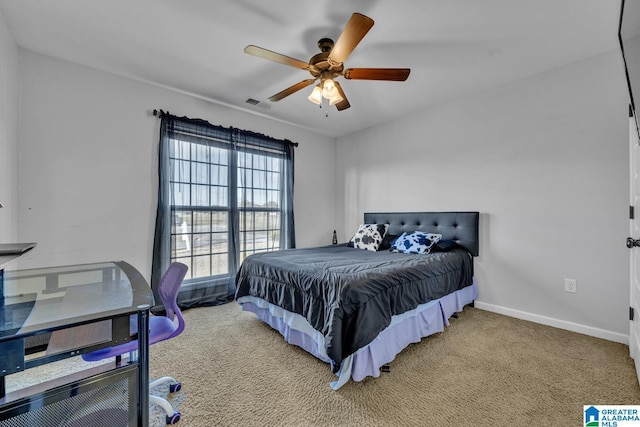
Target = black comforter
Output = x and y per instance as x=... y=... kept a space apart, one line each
x=348 y=294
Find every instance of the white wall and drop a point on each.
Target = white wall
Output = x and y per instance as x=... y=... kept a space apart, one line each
x=88 y=164
x=545 y=161
x=8 y=134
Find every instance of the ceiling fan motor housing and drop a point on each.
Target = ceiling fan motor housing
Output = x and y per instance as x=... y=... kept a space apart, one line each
x=321 y=66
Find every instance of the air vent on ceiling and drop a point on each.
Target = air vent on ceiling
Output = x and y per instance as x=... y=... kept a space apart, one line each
x=258 y=103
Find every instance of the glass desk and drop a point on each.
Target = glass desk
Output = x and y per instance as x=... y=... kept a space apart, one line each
x=54 y=313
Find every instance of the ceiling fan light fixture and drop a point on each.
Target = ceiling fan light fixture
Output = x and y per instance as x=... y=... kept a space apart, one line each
x=316 y=95
x=329 y=89
x=335 y=99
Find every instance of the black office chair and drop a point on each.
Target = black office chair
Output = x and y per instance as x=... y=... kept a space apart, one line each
x=160 y=328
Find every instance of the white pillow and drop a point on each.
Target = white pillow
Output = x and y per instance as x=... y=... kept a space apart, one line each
x=417 y=242
x=369 y=236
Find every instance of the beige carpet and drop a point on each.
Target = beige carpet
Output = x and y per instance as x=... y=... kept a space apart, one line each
x=484 y=370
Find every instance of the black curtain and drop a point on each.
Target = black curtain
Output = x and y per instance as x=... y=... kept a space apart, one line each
x=237 y=145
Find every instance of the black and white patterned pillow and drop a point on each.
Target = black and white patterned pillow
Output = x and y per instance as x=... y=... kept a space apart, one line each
x=369 y=236
x=415 y=243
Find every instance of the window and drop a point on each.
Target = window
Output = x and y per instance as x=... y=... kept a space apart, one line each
x=259 y=178
x=224 y=194
x=200 y=209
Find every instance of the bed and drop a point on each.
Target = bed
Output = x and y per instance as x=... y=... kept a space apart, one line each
x=357 y=309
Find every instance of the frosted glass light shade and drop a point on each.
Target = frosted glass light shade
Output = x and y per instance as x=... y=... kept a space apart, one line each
x=316 y=95
x=329 y=89
x=337 y=98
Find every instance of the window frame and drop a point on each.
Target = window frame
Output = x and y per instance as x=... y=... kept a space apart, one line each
x=235 y=209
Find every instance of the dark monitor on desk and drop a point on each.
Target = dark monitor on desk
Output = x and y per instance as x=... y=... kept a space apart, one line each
x=15 y=248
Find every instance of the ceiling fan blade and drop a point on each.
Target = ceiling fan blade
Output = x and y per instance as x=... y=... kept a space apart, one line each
x=353 y=32
x=393 y=74
x=292 y=89
x=275 y=57
x=344 y=104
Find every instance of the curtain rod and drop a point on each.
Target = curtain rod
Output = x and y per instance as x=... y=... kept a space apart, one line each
x=160 y=113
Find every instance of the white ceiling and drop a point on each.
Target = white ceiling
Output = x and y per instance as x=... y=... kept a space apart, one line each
x=453 y=47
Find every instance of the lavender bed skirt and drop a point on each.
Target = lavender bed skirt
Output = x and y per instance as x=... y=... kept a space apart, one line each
x=404 y=329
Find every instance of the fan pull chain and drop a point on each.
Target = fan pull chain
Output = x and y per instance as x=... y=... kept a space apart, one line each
x=325 y=104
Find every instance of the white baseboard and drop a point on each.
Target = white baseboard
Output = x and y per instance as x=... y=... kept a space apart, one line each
x=550 y=321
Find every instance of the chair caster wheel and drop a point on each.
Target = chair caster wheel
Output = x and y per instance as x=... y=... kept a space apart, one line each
x=174 y=418
x=175 y=387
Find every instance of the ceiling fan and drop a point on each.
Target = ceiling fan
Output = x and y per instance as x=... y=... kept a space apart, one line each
x=327 y=65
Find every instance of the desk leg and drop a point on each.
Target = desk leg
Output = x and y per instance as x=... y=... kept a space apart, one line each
x=143 y=365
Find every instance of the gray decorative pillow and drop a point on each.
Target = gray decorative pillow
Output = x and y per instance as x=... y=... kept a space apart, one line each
x=369 y=236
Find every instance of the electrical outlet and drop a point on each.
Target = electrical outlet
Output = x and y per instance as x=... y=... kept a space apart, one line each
x=570 y=285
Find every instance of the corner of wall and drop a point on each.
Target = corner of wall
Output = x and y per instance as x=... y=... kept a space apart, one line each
x=9 y=102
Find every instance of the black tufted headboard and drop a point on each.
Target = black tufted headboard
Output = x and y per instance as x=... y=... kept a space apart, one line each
x=459 y=226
